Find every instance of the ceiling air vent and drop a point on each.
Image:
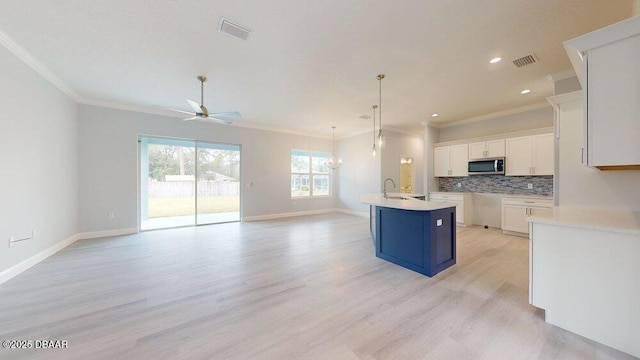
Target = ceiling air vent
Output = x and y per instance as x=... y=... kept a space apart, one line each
x=234 y=30
x=525 y=60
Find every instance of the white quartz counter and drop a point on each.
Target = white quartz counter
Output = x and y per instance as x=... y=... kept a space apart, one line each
x=409 y=204
x=605 y=220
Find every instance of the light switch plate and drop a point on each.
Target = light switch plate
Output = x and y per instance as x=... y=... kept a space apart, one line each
x=439 y=222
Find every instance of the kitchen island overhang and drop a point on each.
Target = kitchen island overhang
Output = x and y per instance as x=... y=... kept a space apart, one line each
x=415 y=234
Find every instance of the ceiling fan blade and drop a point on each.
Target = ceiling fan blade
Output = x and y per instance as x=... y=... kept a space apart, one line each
x=180 y=111
x=191 y=118
x=226 y=114
x=220 y=121
x=195 y=106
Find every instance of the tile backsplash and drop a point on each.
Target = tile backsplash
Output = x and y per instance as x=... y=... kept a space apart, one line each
x=498 y=184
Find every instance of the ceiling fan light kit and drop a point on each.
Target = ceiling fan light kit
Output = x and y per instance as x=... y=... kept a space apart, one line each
x=201 y=111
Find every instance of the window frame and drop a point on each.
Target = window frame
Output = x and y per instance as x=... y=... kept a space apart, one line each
x=310 y=173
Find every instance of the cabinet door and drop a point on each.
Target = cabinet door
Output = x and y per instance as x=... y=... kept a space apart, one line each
x=613 y=109
x=543 y=154
x=519 y=156
x=441 y=161
x=495 y=148
x=476 y=150
x=514 y=218
x=459 y=160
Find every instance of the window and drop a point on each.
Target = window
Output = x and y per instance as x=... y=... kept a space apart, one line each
x=309 y=174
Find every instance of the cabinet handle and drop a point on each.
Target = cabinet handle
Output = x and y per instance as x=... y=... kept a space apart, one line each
x=528 y=202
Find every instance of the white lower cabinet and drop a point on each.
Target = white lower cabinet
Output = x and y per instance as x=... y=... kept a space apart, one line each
x=463 y=202
x=515 y=210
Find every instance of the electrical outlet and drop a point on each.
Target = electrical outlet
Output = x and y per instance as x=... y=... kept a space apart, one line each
x=529 y=186
x=459 y=185
x=112 y=216
x=11 y=238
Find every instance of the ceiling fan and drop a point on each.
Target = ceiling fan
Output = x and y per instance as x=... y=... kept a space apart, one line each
x=201 y=112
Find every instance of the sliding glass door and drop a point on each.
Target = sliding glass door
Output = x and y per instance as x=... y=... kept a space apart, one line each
x=186 y=182
x=218 y=185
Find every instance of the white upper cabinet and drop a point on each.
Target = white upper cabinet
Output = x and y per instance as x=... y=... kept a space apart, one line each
x=543 y=154
x=459 y=160
x=450 y=160
x=441 y=161
x=608 y=66
x=530 y=155
x=487 y=149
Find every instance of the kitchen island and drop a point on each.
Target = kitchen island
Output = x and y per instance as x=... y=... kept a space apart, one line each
x=415 y=234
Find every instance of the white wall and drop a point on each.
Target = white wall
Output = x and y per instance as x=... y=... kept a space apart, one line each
x=431 y=135
x=360 y=172
x=108 y=151
x=38 y=153
x=398 y=146
x=581 y=186
x=527 y=120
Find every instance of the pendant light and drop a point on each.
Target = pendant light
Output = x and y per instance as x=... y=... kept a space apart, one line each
x=334 y=162
x=380 y=134
x=373 y=149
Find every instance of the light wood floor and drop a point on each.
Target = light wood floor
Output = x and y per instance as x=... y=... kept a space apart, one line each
x=300 y=288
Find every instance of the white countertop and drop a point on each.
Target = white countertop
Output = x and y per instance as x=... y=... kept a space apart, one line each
x=409 y=204
x=594 y=219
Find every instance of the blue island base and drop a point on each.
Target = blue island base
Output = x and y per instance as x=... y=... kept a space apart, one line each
x=422 y=241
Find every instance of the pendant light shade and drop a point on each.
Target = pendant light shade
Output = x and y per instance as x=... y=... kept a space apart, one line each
x=381 y=140
x=373 y=149
x=334 y=162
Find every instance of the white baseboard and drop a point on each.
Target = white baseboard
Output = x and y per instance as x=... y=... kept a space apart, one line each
x=24 y=265
x=107 y=233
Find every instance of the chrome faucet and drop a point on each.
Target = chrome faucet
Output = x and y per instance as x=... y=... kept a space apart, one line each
x=384 y=187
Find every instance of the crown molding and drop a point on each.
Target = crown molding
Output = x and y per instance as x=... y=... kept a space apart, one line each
x=36 y=65
x=494 y=115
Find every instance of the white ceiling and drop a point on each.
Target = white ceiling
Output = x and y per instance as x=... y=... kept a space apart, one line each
x=309 y=65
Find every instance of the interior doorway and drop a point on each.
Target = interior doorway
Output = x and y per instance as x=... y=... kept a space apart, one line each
x=188 y=182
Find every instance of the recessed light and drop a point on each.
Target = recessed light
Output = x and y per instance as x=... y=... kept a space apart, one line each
x=495 y=60
x=525 y=91
x=434 y=115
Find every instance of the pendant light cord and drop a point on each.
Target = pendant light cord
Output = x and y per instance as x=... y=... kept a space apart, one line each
x=333 y=140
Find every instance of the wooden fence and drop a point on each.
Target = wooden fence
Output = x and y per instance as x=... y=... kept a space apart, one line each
x=187 y=188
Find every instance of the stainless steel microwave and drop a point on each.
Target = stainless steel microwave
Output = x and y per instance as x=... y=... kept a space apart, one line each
x=486 y=166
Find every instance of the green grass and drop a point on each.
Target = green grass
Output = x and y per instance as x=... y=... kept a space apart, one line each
x=180 y=206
